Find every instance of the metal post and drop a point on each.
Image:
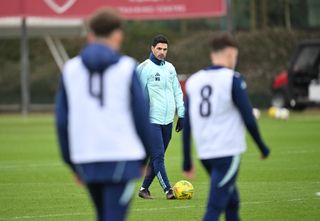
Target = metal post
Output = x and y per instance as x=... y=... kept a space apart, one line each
x=61 y=49
x=57 y=50
x=230 y=27
x=264 y=14
x=54 y=51
x=253 y=15
x=287 y=14
x=25 y=69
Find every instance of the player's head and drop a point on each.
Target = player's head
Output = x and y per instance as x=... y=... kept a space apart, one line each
x=159 y=47
x=106 y=26
x=224 y=50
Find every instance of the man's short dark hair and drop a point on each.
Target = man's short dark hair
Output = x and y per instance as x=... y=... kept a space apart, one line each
x=223 y=41
x=159 y=39
x=104 y=21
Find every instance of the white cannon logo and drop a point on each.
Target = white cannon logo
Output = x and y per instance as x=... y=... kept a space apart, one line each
x=60 y=8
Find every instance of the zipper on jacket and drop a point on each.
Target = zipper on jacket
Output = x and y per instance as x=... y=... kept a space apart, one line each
x=165 y=117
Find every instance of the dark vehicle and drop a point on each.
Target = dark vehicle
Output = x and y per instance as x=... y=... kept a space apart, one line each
x=299 y=85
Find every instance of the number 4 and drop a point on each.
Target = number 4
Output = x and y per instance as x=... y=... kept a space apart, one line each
x=96 y=79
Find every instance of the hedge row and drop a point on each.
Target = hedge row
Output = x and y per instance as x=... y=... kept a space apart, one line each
x=262 y=55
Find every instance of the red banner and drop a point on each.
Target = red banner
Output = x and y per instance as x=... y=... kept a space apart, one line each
x=131 y=9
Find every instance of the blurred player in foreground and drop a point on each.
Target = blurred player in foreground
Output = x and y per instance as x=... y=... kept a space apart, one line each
x=217 y=111
x=102 y=118
x=160 y=83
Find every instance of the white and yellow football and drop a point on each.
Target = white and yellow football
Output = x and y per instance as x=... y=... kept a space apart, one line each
x=279 y=113
x=183 y=190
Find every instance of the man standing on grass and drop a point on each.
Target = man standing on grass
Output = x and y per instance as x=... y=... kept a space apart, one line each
x=100 y=101
x=160 y=83
x=217 y=111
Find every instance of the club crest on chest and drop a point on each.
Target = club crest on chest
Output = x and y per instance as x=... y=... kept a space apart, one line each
x=157 y=77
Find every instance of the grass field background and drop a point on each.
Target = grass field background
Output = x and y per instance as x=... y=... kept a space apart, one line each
x=36 y=185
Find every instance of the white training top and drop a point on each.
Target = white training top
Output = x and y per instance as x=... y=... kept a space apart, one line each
x=101 y=132
x=216 y=123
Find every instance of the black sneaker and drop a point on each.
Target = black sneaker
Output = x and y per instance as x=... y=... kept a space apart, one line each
x=145 y=194
x=170 y=195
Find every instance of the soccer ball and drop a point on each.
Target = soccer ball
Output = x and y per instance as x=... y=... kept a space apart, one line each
x=278 y=113
x=183 y=190
x=284 y=114
x=273 y=112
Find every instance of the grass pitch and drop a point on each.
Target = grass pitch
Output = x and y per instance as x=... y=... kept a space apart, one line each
x=35 y=185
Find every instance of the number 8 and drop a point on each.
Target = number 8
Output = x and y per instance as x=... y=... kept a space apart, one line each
x=205 y=105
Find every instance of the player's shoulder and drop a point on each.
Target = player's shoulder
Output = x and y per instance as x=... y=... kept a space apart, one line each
x=127 y=60
x=145 y=65
x=194 y=78
x=170 y=65
x=226 y=72
x=72 y=63
x=237 y=75
x=239 y=80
